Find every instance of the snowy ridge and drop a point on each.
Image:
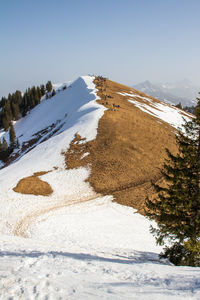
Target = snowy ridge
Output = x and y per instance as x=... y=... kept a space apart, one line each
x=79 y=111
x=67 y=106
x=76 y=244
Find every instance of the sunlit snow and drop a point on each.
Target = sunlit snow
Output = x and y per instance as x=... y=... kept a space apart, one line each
x=164 y=111
x=76 y=244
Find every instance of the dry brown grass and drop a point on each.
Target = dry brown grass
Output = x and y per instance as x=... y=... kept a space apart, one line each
x=129 y=149
x=34 y=185
x=126 y=155
x=73 y=157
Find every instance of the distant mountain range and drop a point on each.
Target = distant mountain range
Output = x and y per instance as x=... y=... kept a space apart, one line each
x=182 y=91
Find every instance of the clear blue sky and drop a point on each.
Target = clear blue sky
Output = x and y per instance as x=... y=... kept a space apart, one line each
x=126 y=40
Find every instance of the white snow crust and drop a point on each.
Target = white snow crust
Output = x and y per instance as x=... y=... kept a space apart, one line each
x=164 y=111
x=76 y=244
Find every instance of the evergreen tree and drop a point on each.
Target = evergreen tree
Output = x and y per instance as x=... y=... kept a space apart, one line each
x=4 y=145
x=179 y=105
x=18 y=97
x=17 y=144
x=2 y=102
x=35 y=97
x=189 y=109
x=53 y=93
x=9 y=97
x=5 y=121
x=42 y=90
x=12 y=134
x=32 y=100
x=49 y=86
x=39 y=94
x=15 y=111
x=8 y=111
x=4 y=152
x=177 y=207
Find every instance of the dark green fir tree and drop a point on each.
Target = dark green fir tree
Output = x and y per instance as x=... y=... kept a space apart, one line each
x=53 y=93
x=39 y=94
x=42 y=90
x=49 y=86
x=15 y=111
x=7 y=111
x=12 y=134
x=5 y=121
x=179 y=105
x=4 y=145
x=4 y=151
x=177 y=207
x=17 y=143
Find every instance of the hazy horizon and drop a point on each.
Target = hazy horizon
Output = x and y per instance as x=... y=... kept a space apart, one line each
x=127 y=41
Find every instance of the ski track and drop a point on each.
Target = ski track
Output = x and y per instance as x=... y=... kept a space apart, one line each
x=23 y=224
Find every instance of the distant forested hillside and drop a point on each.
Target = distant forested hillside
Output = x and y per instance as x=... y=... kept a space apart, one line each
x=17 y=105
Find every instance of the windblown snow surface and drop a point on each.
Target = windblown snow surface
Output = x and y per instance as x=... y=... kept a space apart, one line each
x=161 y=110
x=75 y=244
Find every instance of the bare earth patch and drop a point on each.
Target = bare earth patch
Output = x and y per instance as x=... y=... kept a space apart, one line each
x=74 y=157
x=34 y=185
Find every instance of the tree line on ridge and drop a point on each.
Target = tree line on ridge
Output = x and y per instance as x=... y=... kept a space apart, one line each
x=17 y=105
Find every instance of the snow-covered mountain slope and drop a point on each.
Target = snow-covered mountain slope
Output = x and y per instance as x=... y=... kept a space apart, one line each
x=77 y=111
x=182 y=91
x=59 y=113
x=76 y=243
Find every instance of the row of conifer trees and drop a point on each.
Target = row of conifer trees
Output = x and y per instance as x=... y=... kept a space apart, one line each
x=17 y=105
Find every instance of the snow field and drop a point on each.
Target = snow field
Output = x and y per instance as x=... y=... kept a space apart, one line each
x=83 y=114
x=93 y=250
x=78 y=244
